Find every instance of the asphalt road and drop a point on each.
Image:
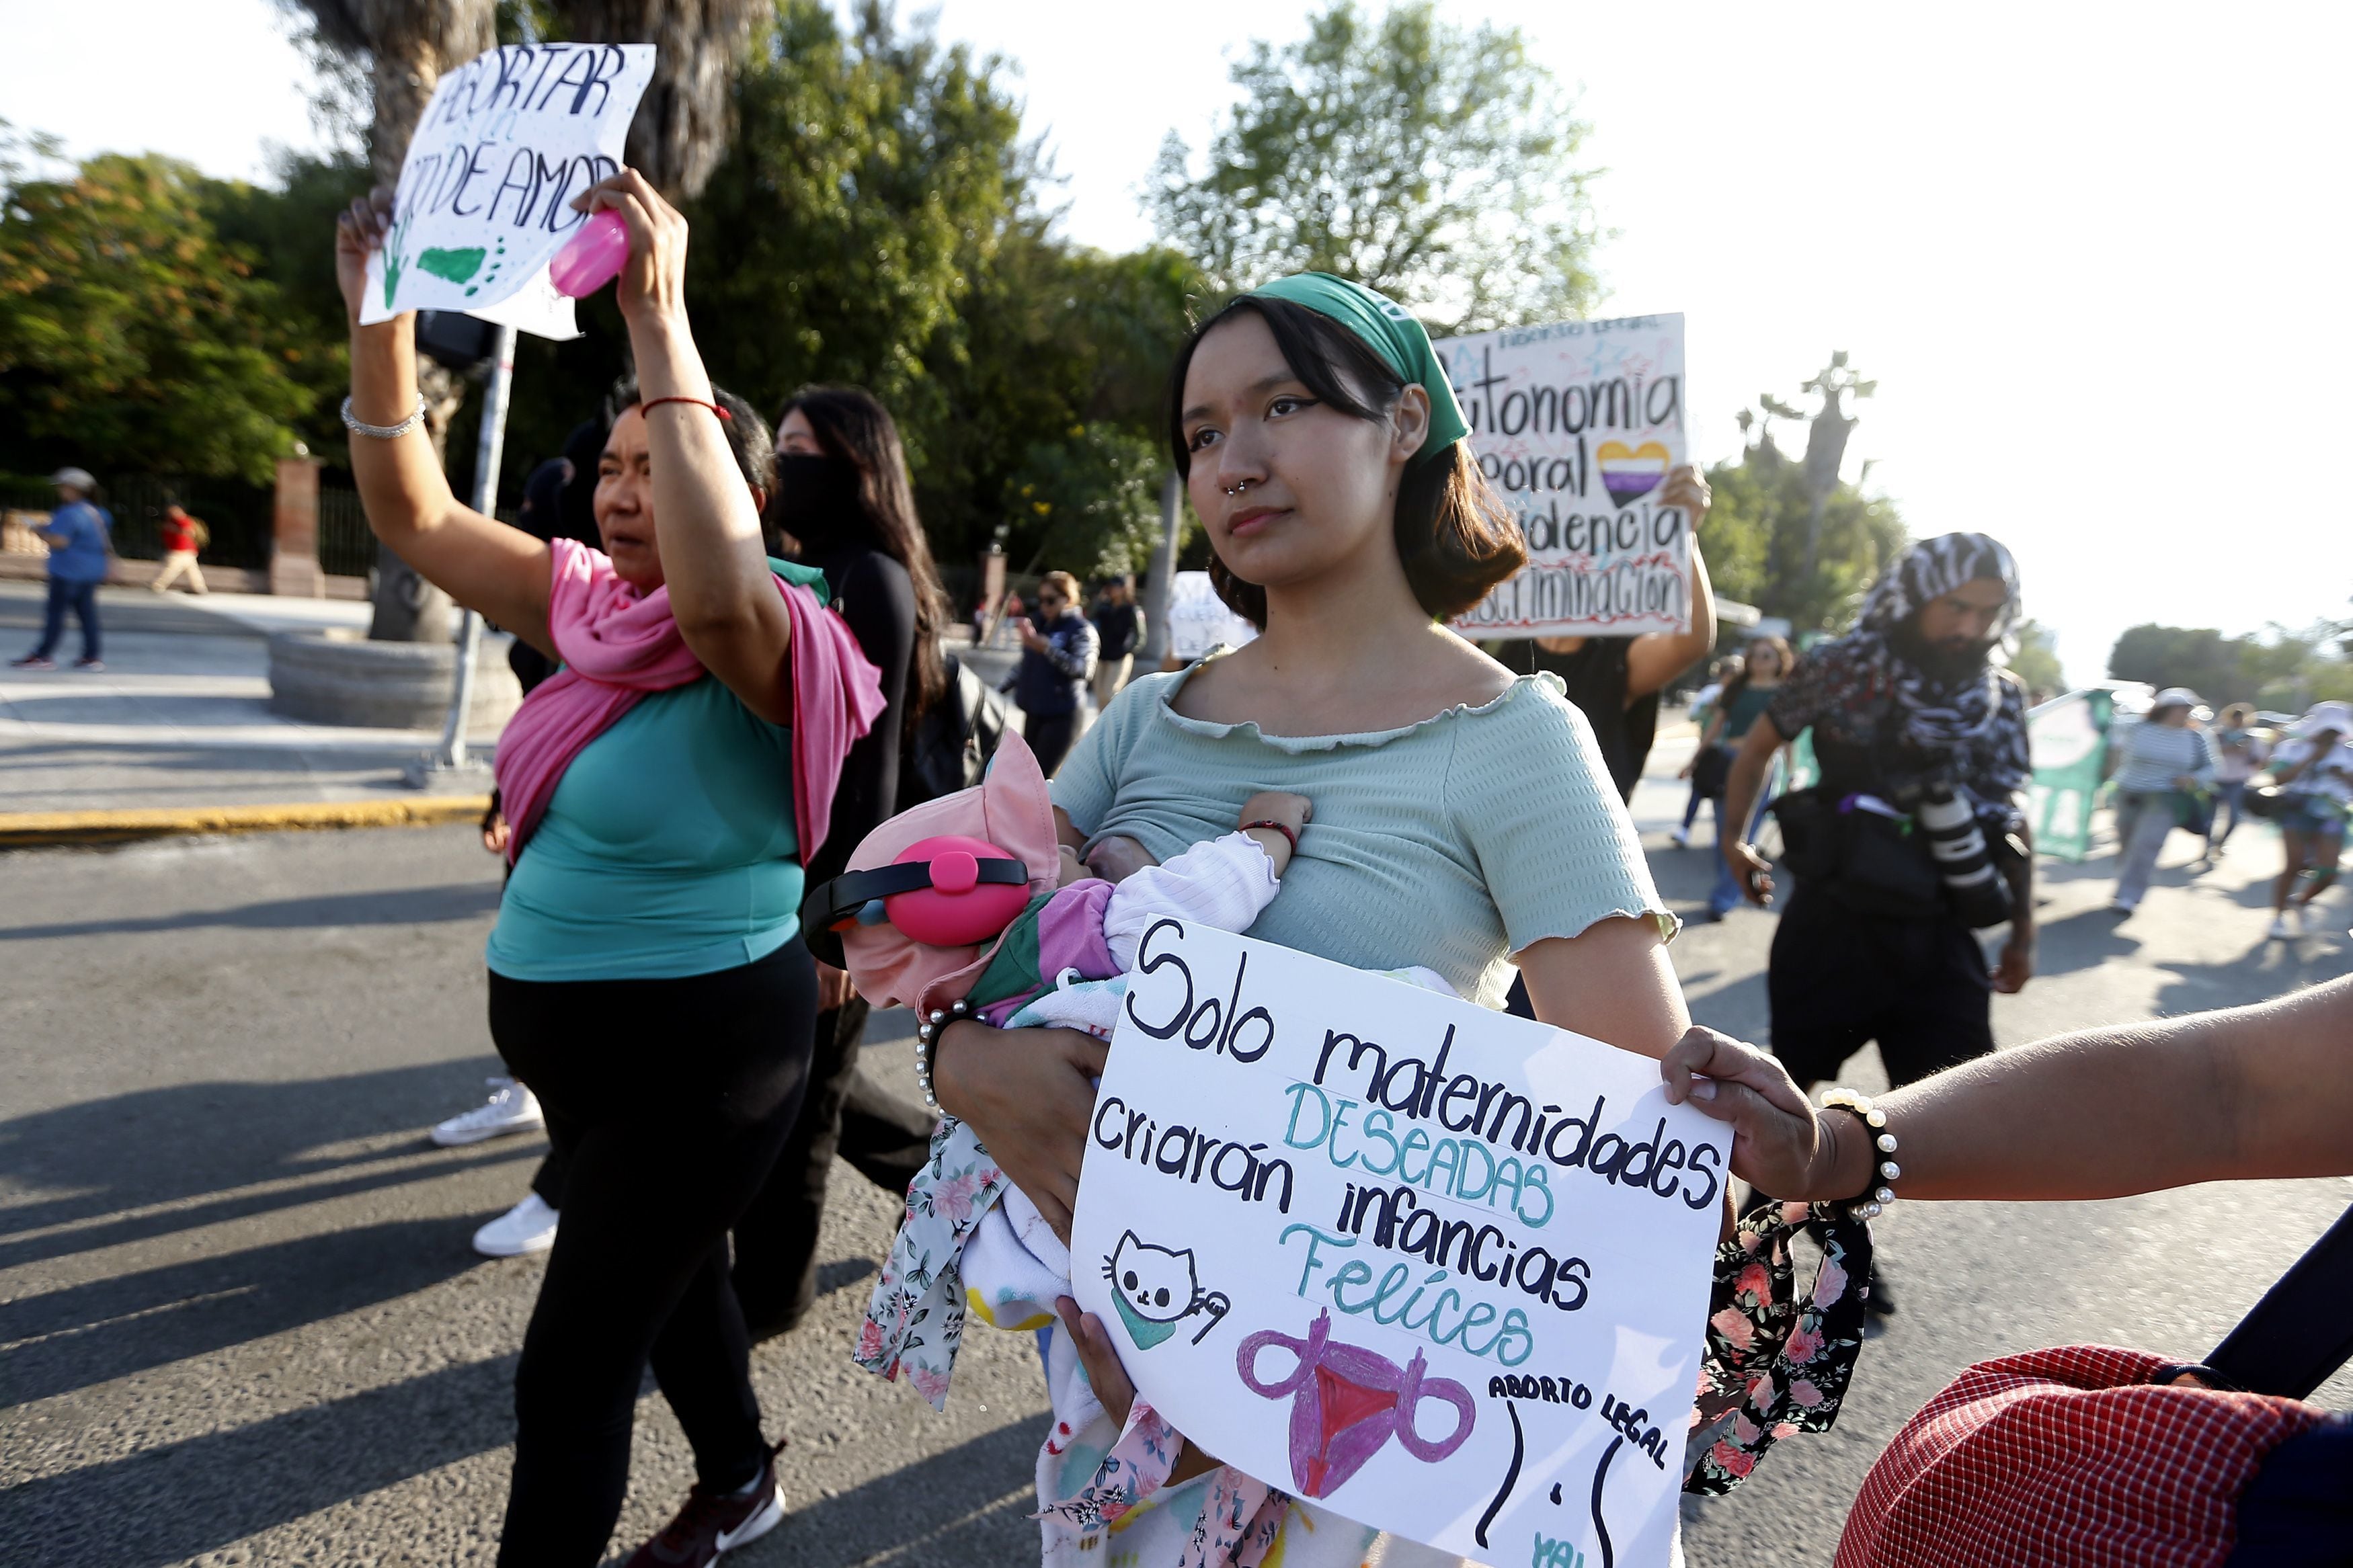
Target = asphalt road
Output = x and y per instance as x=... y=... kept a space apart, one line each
x=239 y=1321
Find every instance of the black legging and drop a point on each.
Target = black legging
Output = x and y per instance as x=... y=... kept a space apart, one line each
x=883 y=1138
x=674 y=1097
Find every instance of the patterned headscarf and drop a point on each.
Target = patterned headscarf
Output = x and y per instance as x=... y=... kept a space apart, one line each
x=1935 y=567
x=1939 y=714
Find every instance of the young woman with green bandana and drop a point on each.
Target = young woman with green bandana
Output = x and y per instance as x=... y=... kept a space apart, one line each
x=1463 y=817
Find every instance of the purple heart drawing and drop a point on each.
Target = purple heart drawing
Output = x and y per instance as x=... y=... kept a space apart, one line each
x=1346 y=1401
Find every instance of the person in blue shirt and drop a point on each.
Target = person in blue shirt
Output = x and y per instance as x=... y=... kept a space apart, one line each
x=79 y=551
x=78 y=555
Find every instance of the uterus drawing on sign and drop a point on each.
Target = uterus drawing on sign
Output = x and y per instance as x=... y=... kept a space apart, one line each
x=1346 y=1401
x=1156 y=1289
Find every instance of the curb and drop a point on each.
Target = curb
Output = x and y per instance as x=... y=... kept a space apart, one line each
x=26 y=828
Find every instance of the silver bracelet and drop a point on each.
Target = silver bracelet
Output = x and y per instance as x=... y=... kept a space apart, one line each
x=384 y=432
x=927 y=1045
x=1878 y=1194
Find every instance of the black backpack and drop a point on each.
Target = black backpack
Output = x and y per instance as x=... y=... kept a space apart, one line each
x=952 y=743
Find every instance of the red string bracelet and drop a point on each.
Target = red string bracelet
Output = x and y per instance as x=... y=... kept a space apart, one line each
x=656 y=402
x=1281 y=827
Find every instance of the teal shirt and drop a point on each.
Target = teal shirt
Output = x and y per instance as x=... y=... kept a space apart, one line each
x=1453 y=843
x=668 y=847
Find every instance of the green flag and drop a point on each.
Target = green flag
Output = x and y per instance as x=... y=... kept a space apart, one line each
x=2069 y=736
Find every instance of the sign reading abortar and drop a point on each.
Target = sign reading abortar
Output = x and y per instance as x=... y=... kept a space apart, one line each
x=1442 y=1270
x=485 y=195
x=1577 y=426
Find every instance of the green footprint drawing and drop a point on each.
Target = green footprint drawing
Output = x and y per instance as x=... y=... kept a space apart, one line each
x=393 y=261
x=460 y=265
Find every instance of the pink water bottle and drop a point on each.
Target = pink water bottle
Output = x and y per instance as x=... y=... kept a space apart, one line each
x=593 y=258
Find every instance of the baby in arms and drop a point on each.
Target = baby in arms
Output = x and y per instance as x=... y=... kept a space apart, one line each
x=969 y=906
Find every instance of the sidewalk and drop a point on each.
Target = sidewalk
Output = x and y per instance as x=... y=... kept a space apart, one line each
x=180 y=719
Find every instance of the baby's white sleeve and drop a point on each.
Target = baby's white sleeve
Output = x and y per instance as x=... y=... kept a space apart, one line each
x=1223 y=882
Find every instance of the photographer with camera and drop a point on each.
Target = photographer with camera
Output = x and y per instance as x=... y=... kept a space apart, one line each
x=1912 y=841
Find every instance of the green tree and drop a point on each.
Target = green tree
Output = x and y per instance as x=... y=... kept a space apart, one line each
x=132 y=335
x=2036 y=662
x=2280 y=668
x=1759 y=531
x=1435 y=163
x=1089 y=502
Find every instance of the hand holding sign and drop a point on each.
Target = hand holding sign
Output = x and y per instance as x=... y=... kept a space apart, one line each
x=1438 y=1269
x=491 y=183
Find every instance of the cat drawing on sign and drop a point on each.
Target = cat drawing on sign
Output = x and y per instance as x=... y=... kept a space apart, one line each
x=1154 y=1288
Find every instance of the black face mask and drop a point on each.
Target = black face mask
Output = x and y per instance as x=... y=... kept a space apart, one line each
x=817 y=499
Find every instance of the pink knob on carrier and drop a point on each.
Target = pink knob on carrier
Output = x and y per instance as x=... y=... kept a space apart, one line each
x=592 y=257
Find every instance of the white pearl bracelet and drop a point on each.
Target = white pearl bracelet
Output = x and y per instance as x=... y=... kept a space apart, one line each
x=927 y=1045
x=1878 y=1194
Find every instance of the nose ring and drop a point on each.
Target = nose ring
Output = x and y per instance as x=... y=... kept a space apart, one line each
x=1235 y=490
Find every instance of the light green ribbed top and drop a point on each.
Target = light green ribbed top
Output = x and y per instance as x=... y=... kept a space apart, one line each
x=1451 y=843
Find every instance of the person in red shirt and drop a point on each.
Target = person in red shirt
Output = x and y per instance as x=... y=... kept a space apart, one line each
x=183 y=535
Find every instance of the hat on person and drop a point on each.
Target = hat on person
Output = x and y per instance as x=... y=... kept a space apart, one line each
x=2175 y=697
x=1009 y=811
x=2332 y=714
x=77 y=478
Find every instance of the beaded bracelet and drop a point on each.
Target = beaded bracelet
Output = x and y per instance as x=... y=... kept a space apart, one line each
x=927 y=1045
x=1876 y=1196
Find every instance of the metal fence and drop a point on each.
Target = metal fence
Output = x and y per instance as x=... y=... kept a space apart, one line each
x=239 y=517
x=346 y=548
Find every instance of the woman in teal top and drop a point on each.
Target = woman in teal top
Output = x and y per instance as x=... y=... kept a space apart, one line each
x=647 y=978
x=1742 y=702
x=1463 y=817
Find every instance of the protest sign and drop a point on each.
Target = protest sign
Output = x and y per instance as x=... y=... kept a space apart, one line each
x=2068 y=738
x=1199 y=620
x=1322 y=1209
x=485 y=195
x=1578 y=427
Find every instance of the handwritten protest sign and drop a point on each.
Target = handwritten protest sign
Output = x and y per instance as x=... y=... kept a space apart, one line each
x=1578 y=427
x=1438 y=1269
x=485 y=195
x=1199 y=620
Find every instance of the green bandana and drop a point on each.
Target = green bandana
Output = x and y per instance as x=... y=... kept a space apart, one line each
x=1387 y=329
x=1146 y=1331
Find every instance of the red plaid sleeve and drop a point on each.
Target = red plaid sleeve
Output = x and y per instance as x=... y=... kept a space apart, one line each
x=2067 y=1455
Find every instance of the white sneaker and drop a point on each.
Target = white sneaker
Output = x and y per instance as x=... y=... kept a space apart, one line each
x=2303 y=920
x=529 y=1226
x=2281 y=930
x=1680 y=838
x=511 y=1108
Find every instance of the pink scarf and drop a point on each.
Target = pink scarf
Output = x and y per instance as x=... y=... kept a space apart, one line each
x=617 y=646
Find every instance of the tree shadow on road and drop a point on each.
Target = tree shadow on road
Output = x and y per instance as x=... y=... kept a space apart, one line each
x=966 y=1505
x=128 y=1323
x=394 y=906
x=110 y=1159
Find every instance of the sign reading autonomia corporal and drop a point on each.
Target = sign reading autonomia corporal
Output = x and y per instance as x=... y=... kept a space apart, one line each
x=485 y=195
x=1577 y=426
x=1441 y=1270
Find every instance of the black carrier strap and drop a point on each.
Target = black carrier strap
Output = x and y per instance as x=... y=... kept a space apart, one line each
x=2302 y=1330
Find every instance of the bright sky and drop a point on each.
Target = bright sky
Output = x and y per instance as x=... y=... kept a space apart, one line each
x=2058 y=236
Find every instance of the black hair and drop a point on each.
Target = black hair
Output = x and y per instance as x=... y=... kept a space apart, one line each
x=852 y=425
x=748 y=437
x=1456 y=538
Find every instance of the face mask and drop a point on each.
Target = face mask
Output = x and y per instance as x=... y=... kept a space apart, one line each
x=816 y=498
